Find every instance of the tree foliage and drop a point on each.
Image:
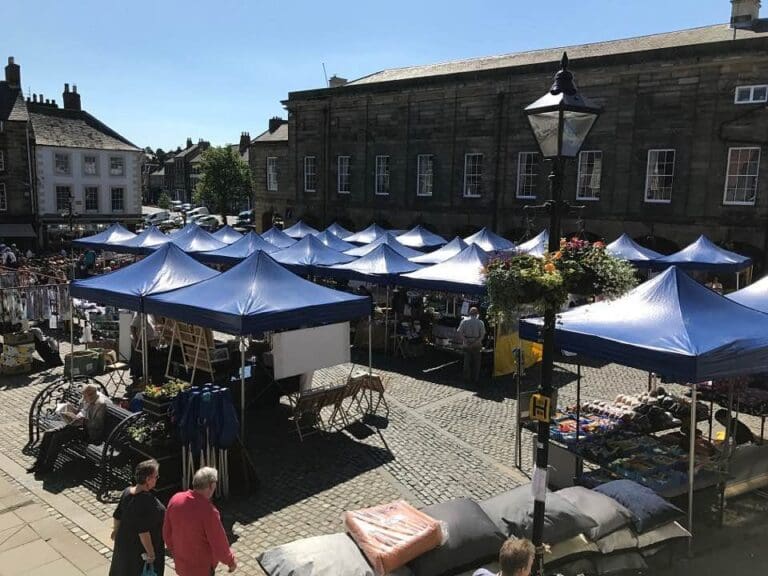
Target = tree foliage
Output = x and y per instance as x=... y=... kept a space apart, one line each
x=164 y=201
x=225 y=181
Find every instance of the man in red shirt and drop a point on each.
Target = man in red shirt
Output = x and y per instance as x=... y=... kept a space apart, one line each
x=192 y=529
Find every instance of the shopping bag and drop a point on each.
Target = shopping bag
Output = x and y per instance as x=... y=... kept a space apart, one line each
x=149 y=570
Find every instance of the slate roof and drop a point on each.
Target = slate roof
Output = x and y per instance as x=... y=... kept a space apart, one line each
x=678 y=39
x=280 y=134
x=236 y=150
x=73 y=129
x=12 y=104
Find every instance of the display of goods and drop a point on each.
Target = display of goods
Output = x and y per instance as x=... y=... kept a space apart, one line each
x=18 y=369
x=391 y=535
x=83 y=363
x=16 y=338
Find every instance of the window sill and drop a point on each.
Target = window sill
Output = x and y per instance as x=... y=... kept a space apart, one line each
x=381 y=193
x=525 y=197
x=424 y=195
x=587 y=199
x=343 y=192
x=310 y=191
x=648 y=201
x=725 y=203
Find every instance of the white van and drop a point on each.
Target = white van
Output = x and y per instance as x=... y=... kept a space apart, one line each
x=156 y=217
x=175 y=205
x=195 y=213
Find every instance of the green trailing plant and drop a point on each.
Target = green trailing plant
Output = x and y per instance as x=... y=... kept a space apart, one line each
x=578 y=267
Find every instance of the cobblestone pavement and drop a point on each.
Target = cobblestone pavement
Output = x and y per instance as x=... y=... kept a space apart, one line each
x=441 y=440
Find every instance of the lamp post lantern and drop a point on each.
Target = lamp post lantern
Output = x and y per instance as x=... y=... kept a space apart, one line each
x=560 y=121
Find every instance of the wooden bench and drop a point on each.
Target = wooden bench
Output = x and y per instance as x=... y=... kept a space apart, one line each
x=105 y=456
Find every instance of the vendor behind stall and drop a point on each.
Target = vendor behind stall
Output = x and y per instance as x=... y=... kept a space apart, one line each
x=154 y=361
x=472 y=332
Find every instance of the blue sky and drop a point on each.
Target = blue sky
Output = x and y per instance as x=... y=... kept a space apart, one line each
x=160 y=71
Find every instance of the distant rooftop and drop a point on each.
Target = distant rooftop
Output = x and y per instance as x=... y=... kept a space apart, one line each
x=73 y=129
x=279 y=134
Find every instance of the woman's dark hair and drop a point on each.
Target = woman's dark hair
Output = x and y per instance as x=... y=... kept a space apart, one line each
x=144 y=470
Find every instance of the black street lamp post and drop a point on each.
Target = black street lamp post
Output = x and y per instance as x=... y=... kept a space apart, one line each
x=560 y=121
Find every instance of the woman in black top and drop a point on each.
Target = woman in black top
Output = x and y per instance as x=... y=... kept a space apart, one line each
x=138 y=525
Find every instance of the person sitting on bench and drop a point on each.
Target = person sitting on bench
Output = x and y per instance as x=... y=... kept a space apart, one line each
x=86 y=423
x=739 y=431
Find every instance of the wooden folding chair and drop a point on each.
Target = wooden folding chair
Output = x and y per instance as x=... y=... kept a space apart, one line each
x=308 y=410
x=371 y=384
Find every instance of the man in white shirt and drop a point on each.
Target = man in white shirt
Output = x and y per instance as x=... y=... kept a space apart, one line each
x=472 y=332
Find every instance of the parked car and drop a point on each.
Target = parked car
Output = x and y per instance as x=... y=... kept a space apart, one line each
x=186 y=207
x=193 y=214
x=244 y=219
x=156 y=217
x=176 y=205
x=210 y=223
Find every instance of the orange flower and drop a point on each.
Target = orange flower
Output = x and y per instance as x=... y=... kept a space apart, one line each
x=549 y=267
x=557 y=255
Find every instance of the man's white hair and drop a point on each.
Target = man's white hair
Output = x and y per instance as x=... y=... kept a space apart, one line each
x=90 y=388
x=204 y=477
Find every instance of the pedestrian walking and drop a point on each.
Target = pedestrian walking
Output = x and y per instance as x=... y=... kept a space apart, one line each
x=472 y=332
x=193 y=531
x=138 y=526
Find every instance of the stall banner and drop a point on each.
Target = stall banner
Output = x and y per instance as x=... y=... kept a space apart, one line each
x=301 y=351
x=504 y=357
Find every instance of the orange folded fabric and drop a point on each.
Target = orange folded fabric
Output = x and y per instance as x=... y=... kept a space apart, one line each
x=391 y=535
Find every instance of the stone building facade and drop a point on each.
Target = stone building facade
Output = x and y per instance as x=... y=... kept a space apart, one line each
x=182 y=170
x=679 y=150
x=273 y=191
x=17 y=207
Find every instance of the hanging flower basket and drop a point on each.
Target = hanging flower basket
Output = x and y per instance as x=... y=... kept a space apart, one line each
x=578 y=267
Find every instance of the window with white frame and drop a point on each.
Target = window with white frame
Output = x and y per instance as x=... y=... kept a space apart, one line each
x=590 y=173
x=116 y=166
x=62 y=198
x=90 y=165
x=310 y=174
x=425 y=174
x=61 y=165
x=118 y=199
x=272 y=173
x=527 y=174
x=751 y=94
x=741 y=177
x=3 y=198
x=2 y=161
x=343 y=170
x=382 y=175
x=473 y=175
x=91 y=198
x=659 y=175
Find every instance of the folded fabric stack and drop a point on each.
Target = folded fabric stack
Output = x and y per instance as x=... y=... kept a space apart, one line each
x=621 y=526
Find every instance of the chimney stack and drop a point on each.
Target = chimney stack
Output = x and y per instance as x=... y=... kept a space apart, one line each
x=275 y=122
x=71 y=99
x=336 y=81
x=245 y=141
x=13 y=74
x=744 y=13
x=189 y=142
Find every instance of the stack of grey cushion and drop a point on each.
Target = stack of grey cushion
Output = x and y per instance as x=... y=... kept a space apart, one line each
x=618 y=528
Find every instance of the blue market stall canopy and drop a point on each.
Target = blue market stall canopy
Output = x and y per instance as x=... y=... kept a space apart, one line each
x=308 y=253
x=671 y=325
x=704 y=255
x=489 y=241
x=255 y=296
x=366 y=236
x=382 y=265
x=167 y=268
x=441 y=254
x=627 y=249
x=463 y=274
x=334 y=242
x=150 y=239
x=339 y=231
x=197 y=240
x=299 y=230
x=420 y=237
x=185 y=231
x=278 y=238
x=237 y=251
x=115 y=234
x=389 y=240
x=227 y=234
x=536 y=246
x=754 y=296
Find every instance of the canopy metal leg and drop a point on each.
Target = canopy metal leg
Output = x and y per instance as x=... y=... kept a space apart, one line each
x=144 y=350
x=691 y=467
x=386 y=323
x=370 y=346
x=242 y=389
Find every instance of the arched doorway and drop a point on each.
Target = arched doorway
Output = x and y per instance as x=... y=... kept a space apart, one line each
x=658 y=244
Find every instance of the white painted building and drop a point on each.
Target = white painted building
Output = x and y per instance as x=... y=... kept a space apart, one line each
x=79 y=157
